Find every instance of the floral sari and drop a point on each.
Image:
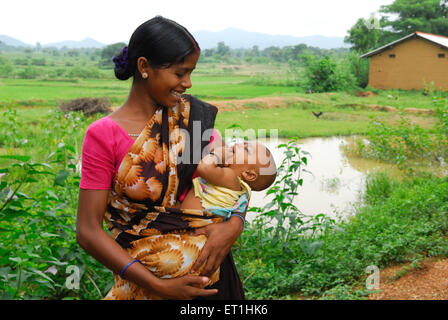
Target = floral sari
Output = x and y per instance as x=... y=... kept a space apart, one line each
x=141 y=213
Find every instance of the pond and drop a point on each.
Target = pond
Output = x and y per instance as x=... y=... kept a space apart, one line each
x=337 y=180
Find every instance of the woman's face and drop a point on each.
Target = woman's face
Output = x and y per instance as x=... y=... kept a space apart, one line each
x=165 y=85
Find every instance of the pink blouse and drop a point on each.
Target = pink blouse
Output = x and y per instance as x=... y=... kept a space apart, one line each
x=104 y=147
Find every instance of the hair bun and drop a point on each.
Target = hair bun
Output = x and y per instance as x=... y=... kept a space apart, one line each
x=121 y=62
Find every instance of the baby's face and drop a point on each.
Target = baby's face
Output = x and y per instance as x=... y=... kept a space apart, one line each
x=247 y=153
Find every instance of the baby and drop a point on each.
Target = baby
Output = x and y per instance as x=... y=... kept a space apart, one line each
x=226 y=174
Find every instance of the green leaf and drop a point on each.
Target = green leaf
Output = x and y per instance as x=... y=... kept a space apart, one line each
x=61 y=177
x=15 y=157
x=57 y=262
x=47 y=235
x=52 y=195
x=17 y=259
x=40 y=273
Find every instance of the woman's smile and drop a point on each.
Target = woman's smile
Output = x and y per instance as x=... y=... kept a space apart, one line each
x=167 y=85
x=177 y=95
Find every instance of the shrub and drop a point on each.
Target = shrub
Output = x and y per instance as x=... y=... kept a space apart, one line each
x=407 y=144
x=29 y=73
x=88 y=106
x=21 y=61
x=326 y=74
x=5 y=67
x=359 y=68
x=38 y=62
x=84 y=73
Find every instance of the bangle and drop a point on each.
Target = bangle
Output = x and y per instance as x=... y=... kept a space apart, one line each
x=241 y=217
x=124 y=269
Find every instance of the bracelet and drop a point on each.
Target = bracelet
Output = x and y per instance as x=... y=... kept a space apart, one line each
x=124 y=269
x=241 y=217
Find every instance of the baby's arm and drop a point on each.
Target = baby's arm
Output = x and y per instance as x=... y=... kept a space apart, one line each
x=209 y=170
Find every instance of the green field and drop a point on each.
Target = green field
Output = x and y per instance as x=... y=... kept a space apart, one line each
x=344 y=112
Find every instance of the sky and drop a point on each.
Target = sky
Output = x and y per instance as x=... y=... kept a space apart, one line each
x=111 y=21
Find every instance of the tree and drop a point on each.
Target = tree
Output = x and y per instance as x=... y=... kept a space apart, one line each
x=255 y=51
x=397 y=20
x=417 y=15
x=208 y=52
x=364 y=35
x=222 y=49
x=109 y=52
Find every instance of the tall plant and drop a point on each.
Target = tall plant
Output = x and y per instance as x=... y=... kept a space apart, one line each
x=285 y=219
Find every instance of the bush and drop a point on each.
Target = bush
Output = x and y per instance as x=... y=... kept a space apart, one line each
x=359 y=68
x=5 y=67
x=88 y=106
x=407 y=144
x=21 y=62
x=29 y=73
x=325 y=74
x=84 y=73
x=38 y=62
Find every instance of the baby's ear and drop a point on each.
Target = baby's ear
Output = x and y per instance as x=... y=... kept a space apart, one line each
x=249 y=175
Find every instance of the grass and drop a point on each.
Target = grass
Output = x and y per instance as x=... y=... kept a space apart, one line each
x=297 y=120
x=49 y=93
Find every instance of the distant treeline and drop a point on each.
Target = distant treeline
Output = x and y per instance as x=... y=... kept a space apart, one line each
x=310 y=68
x=41 y=56
x=274 y=54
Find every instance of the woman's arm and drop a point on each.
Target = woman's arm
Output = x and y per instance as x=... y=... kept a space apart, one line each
x=91 y=236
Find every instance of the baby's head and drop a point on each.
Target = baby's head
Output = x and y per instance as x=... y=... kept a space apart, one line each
x=253 y=163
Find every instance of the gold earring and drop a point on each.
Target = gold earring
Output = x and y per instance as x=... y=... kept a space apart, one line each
x=144 y=75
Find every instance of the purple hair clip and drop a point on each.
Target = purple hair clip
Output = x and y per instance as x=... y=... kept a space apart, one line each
x=122 y=61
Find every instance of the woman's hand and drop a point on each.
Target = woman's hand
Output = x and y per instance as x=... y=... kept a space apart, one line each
x=220 y=239
x=183 y=288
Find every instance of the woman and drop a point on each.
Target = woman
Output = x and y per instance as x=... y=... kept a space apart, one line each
x=130 y=173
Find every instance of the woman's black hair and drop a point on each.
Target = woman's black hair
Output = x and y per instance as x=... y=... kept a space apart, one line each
x=161 y=41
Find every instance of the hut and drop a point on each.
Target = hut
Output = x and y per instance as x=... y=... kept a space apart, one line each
x=413 y=62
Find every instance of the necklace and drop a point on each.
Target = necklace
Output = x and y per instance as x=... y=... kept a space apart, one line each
x=134 y=134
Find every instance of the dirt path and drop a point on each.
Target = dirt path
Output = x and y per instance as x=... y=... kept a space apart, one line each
x=259 y=103
x=275 y=102
x=428 y=282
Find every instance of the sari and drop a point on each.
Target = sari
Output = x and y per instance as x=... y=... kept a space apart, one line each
x=141 y=213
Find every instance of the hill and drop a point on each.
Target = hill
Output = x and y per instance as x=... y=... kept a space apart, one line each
x=85 y=43
x=234 y=38
x=237 y=38
x=10 y=41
